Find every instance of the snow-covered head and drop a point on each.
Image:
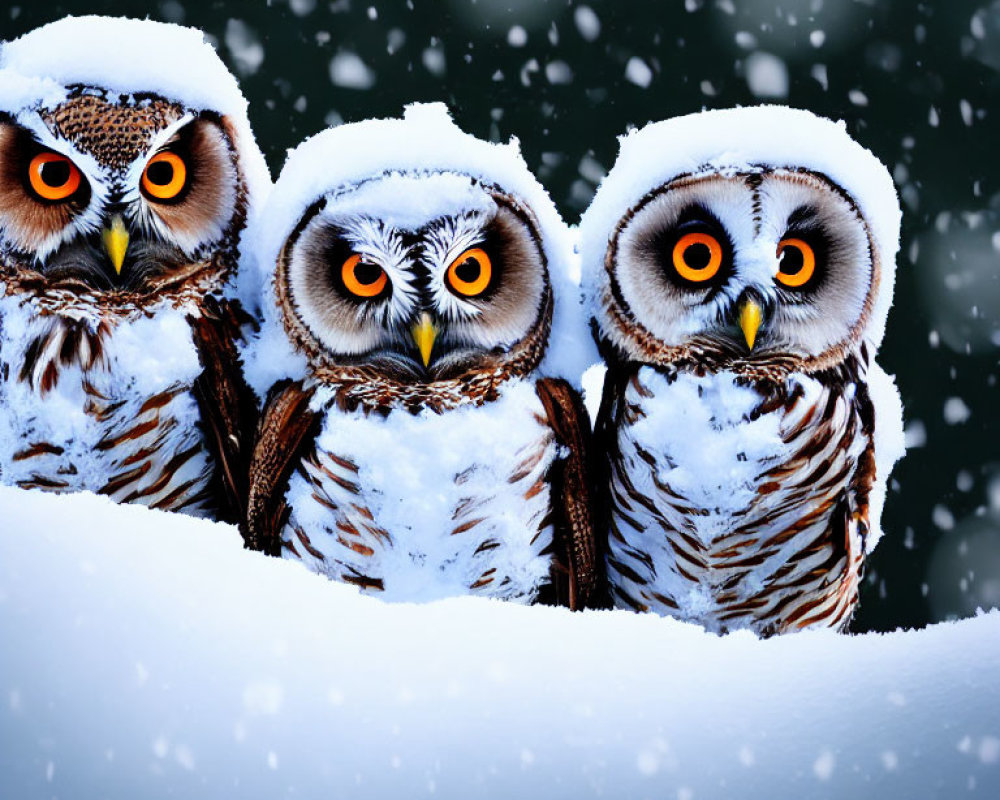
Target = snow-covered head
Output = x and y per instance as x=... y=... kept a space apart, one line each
x=408 y=250
x=760 y=239
x=127 y=164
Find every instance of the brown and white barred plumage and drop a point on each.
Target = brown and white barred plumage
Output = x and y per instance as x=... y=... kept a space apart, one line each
x=790 y=558
x=134 y=446
x=337 y=523
x=746 y=435
x=416 y=448
x=145 y=453
x=123 y=381
x=313 y=502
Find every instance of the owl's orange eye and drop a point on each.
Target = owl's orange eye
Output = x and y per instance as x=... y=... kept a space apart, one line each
x=363 y=278
x=797 y=263
x=471 y=272
x=697 y=257
x=165 y=176
x=53 y=176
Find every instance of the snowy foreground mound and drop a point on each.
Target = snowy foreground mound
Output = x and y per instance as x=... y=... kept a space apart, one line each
x=148 y=655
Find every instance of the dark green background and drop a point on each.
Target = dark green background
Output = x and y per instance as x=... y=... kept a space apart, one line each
x=916 y=82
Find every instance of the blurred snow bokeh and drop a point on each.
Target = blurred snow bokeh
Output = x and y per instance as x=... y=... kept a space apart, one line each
x=148 y=655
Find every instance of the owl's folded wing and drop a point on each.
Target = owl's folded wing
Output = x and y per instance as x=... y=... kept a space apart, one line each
x=286 y=426
x=578 y=580
x=226 y=403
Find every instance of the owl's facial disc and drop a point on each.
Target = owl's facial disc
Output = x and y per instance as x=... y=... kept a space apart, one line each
x=137 y=227
x=749 y=266
x=421 y=303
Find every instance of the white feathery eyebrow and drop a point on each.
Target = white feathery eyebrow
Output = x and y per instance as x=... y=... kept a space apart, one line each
x=143 y=216
x=381 y=244
x=161 y=139
x=445 y=240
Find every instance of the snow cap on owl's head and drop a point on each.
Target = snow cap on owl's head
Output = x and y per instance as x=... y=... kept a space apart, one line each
x=126 y=56
x=738 y=139
x=424 y=142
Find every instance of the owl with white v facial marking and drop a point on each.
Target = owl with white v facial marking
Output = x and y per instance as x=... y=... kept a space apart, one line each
x=425 y=447
x=740 y=265
x=124 y=187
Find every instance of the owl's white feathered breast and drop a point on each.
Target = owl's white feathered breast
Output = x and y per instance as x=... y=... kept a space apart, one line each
x=110 y=411
x=724 y=498
x=428 y=505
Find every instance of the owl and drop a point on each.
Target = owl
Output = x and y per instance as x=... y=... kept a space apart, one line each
x=417 y=441
x=740 y=265
x=127 y=170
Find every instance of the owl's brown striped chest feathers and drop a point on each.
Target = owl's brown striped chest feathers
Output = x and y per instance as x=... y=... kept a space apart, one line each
x=424 y=506
x=106 y=407
x=734 y=507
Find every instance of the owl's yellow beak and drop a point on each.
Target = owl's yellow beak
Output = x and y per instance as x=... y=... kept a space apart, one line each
x=424 y=333
x=115 y=238
x=750 y=318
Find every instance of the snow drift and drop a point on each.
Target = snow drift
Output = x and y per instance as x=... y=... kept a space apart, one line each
x=148 y=655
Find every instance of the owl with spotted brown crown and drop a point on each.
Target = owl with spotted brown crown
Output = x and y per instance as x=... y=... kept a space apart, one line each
x=740 y=267
x=418 y=441
x=127 y=170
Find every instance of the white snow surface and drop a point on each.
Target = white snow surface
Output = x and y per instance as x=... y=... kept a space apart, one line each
x=128 y=56
x=20 y=91
x=424 y=141
x=148 y=655
x=738 y=139
x=890 y=443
